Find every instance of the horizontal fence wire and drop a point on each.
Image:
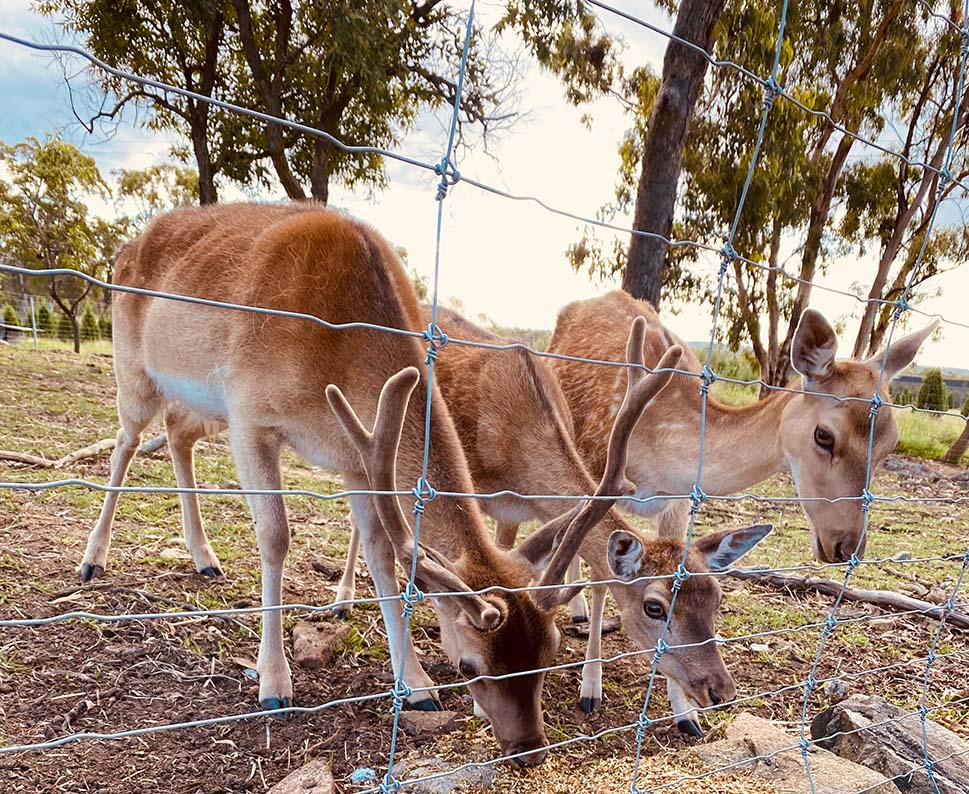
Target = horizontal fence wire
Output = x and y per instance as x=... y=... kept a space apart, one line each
x=436 y=339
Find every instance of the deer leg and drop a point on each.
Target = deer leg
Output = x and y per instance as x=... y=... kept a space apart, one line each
x=684 y=711
x=379 y=554
x=590 y=697
x=505 y=534
x=133 y=416
x=183 y=430
x=578 y=607
x=257 y=462
x=347 y=588
x=674 y=520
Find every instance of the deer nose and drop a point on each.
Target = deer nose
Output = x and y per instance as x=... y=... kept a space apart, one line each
x=528 y=753
x=722 y=692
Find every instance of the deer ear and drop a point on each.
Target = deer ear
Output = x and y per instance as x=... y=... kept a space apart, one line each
x=723 y=549
x=902 y=352
x=625 y=555
x=814 y=347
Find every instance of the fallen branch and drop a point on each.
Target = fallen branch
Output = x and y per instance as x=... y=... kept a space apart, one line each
x=90 y=451
x=886 y=599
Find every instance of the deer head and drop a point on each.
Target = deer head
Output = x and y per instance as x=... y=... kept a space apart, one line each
x=693 y=662
x=826 y=441
x=496 y=639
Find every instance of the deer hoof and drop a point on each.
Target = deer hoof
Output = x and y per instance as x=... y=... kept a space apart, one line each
x=588 y=705
x=342 y=612
x=426 y=704
x=213 y=572
x=580 y=618
x=271 y=704
x=690 y=728
x=89 y=571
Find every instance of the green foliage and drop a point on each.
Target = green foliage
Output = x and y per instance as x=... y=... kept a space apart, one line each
x=932 y=396
x=10 y=316
x=64 y=328
x=157 y=188
x=965 y=407
x=104 y=326
x=45 y=322
x=89 y=325
x=902 y=396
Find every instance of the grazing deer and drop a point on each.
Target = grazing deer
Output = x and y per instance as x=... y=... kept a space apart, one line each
x=515 y=428
x=821 y=441
x=273 y=381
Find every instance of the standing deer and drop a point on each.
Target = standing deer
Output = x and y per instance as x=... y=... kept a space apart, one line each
x=821 y=441
x=283 y=381
x=516 y=431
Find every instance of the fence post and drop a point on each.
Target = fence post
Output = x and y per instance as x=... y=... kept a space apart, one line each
x=33 y=322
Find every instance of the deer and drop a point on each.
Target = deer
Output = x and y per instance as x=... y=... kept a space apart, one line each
x=822 y=442
x=516 y=430
x=283 y=381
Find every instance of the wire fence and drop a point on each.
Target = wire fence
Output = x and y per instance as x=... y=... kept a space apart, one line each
x=25 y=321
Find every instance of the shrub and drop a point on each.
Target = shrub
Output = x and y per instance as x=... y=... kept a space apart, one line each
x=10 y=316
x=89 y=325
x=932 y=395
x=64 y=328
x=104 y=325
x=45 y=322
x=965 y=406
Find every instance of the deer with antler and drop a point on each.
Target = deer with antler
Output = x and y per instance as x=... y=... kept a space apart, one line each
x=516 y=431
x=821 y=438
x=279 y=381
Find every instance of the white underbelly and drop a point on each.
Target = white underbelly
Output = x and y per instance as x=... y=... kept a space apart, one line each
x=205 y=397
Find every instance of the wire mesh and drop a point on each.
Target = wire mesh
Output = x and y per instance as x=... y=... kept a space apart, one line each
x=423 y=491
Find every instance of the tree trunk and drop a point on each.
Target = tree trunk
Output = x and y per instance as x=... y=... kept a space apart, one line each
x=320 y=173
x=208 y=193
x=76 y=329
x=958 y=448
x=669 y=121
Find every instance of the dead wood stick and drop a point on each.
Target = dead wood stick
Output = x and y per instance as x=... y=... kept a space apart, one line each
x=90 y=451
x=882 y=598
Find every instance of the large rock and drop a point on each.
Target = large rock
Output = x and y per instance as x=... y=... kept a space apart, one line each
x=312 y=778
x=761 y=745
x=314 y=644
x=883 y=737
x=471 y=779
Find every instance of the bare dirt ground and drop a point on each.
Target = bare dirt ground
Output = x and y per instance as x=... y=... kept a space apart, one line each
x=84 y=675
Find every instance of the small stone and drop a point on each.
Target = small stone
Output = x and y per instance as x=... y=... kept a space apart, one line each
x=314 y=777
x=174 y=553
x=422 y=723
x=758 y=647
x=314 y=644
x=474 y=778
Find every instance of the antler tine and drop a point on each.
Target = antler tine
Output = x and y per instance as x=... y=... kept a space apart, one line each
x=378 y=449
x=640 y=389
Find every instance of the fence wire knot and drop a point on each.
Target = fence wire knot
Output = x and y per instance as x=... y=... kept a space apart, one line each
x=389 y=784
x=805 y=745
x=697 y=497
x=829 y=624
x=449 y=176
x=436 y=339
x=422 y=493
x=867 y=497
x=680 y=576
x=876 y=403
x=400 y=692
x=412 y=595
x=643 y=724
x=772 y=90
x=727 y=254
x=853 y=562
x=708 y=376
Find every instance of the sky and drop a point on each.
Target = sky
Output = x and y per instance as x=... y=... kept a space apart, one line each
x=503 y=259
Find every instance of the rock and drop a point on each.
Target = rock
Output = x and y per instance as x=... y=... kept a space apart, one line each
x=889 y=740
x=314 y=644
x=422 y=723
x=312 y=778
x=473 y=778
x=174 y=553
x=749 y=737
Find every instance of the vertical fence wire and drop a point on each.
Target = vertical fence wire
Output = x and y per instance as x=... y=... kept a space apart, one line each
x=697 y=496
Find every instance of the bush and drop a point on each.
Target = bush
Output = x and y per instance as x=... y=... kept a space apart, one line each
x=965 y=406
x=932 y=395
x=104 y=326
x=89 y=325
x=45 y=322
x=64 y=328
x=10 y=316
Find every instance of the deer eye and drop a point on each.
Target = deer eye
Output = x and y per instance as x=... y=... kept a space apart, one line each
x=468 y=670
x=654 y=610
x=824 y=438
